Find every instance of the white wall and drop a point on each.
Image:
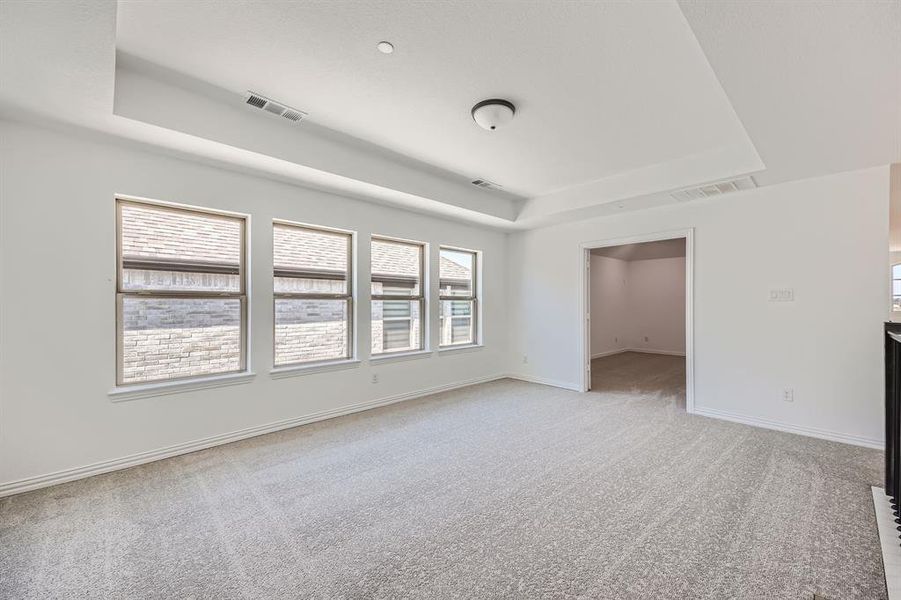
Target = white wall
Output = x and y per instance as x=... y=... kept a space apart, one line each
x=656 y=300
x=824 y=237
x=637 y=299
x=608 y=305
x=57 y=225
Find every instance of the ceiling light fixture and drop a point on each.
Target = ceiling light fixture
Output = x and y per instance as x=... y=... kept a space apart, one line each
x=494 y=113
x=385 y=47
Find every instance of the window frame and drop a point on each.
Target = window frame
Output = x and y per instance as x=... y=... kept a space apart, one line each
x=121 y=294
x=473 y=297
x=421 y=297
x=894 y=279
x=348 y=296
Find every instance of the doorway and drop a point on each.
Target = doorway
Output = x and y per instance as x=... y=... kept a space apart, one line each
x=637 y=312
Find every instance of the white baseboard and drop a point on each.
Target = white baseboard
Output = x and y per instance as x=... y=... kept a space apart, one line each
x=63 y=476
x=824 y=434
x=41 y=481
x=542 y=381
x=640 y=350
x=654 y=351
x=888 y=539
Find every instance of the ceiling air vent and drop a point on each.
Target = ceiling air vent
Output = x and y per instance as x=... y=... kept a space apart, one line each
x=488 y=185
x=715 y=189
x=276 y=108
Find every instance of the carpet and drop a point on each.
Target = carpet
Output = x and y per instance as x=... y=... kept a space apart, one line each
x=501 y=490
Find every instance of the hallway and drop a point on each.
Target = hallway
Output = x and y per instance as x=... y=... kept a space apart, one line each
x=641 y=374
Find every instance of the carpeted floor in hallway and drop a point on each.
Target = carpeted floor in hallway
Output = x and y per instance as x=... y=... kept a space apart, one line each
x=501 y=490
x=641 y=374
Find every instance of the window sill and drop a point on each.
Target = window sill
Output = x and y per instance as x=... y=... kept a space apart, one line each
x=148 y=390
x=400 y=356
x=324 y=367
x=461 y=349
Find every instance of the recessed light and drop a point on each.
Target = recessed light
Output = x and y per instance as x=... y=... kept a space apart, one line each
x=385 y=47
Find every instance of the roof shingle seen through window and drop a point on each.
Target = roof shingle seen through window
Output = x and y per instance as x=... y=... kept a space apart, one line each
x=305 y=249
x=450 y=269
x=149 y=232
x=401 y=259
x=395 y=259
x=157 y=233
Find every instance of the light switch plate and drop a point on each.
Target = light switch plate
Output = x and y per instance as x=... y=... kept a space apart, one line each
x=782 y=295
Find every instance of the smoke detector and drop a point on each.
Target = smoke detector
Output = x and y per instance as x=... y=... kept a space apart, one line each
x=271 y=106
x=492 y=114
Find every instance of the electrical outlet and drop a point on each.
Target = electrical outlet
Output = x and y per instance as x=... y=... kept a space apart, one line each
x=788 y=394
x=646 y=339
x=375 y=378
x=525 y=359
x=616 y=340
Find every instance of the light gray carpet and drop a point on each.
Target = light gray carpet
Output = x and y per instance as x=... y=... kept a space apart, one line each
x=640 y=373
x=503 y=490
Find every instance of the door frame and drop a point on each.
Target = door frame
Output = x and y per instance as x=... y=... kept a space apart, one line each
x=585 y=301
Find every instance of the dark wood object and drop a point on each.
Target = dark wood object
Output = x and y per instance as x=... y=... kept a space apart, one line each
x=893 y=416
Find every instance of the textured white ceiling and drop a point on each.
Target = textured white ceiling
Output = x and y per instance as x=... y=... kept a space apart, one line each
x=58 y=65
x=619 y=102
x=601 y=88
x=816 y=83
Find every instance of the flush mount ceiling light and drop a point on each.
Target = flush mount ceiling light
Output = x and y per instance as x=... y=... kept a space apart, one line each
x=494 y=113
x=385 y=47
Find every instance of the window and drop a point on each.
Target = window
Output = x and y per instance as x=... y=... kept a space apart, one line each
x=180 y=293
x=896 y=288
x=398 y=303
x=457 y=296
x=313 y=296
